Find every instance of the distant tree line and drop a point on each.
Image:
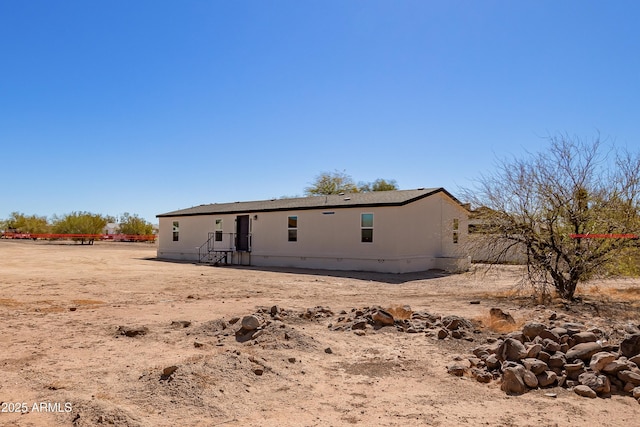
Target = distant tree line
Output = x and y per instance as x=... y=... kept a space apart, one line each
x=75 y=223
x=340 y=182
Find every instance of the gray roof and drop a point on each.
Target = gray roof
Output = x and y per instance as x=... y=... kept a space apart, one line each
x=371 y=199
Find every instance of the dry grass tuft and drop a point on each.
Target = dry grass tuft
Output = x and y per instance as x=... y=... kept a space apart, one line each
x=500 y=326
x=400 y=312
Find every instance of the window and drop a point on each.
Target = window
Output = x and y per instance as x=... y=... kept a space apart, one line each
x=176 y=231
x=292 y=228
x=456 y=225
x=218 y=230
x=366 y=227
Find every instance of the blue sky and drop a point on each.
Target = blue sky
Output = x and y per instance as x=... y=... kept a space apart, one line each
x=152 y=106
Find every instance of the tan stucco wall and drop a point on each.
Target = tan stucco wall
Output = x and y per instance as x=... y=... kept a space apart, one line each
x=414 y=237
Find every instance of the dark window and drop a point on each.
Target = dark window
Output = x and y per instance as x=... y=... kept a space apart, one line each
x=292 y=228
x=176 y=231
x=218 y=230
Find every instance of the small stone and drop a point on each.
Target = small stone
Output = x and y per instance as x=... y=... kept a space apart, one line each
x=585 y=391
x=456 y=369
x=360 y=333
x=636 y=393
x=291 y=360
x=258 y=371
x=168 y=371
x=131 y=332
x=234 y=320
x=251 y=322
x=328 y=350
x=73 y=308
x=481 y=375
x=383 y=318
x=442 y=334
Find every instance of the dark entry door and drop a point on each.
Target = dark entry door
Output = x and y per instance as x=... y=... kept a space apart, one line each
x=242 y=233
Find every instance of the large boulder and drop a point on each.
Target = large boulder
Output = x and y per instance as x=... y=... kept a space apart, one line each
x=511 y=349
x=512 y=381
x=583 y=351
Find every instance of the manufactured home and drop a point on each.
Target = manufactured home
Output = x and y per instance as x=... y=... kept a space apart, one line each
x=386 y=231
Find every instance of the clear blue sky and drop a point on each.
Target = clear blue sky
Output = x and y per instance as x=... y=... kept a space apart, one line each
x=150 y=106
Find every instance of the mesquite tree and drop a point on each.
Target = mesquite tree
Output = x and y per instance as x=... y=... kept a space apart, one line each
x=537 y=205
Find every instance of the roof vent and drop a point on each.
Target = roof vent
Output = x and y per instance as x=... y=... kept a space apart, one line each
x=421 y=188
x=341 y=193
x=347 y=198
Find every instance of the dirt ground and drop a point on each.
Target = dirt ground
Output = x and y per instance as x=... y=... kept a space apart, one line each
x=64 y=362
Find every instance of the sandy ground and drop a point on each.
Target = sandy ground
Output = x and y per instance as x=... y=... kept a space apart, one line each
x=64 y=363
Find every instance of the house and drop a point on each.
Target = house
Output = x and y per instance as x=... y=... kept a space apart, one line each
x=387 y=231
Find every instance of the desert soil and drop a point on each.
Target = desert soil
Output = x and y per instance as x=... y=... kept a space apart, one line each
x=61 y=305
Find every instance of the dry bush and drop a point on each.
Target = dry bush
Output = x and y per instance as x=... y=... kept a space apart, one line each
x=400 y=312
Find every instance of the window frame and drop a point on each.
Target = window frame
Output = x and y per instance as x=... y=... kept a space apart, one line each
x=176 y=231
x=292 y=228
x=218 y=230
x=366 y=227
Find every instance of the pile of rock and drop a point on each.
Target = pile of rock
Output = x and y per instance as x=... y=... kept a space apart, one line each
x=565 y=356
x=361 y=319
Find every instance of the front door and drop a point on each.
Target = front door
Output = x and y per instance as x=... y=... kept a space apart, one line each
x=242 y=233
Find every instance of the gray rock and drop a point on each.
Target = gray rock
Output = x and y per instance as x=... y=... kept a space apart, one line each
x=600 y=360
x=583 y=351
x=251 y=322
x=630 y=346
x=512 y=381
x=585 y=391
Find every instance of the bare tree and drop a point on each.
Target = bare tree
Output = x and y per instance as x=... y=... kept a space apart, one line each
x=540 y=206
